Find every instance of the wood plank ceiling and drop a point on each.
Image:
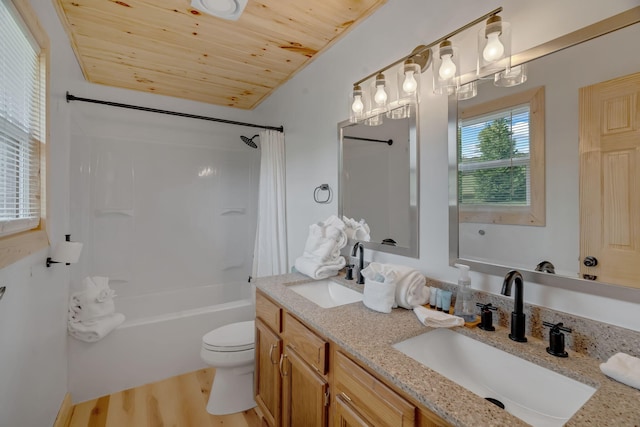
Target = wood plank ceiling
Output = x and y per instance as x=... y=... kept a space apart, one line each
x=168 y=47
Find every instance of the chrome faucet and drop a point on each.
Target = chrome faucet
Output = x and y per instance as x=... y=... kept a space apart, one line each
x=517 y=315
x=354 y=251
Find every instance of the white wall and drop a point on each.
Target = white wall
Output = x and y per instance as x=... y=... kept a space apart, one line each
x=313 y=102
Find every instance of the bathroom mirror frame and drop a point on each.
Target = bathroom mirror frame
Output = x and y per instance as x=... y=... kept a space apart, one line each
x=608 y=25
x=412 y=250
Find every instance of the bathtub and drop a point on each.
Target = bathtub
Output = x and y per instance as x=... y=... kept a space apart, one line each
x=160 y=338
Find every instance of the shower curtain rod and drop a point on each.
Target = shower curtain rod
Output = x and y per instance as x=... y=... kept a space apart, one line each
x=71 y=97
x=358 y=138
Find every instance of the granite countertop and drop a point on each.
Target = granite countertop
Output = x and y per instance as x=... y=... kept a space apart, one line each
x=368 y=336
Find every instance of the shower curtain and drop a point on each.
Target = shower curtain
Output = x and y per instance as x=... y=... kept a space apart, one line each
x=270 y=252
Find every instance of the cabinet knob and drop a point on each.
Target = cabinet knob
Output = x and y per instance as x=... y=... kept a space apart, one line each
x=590 y=261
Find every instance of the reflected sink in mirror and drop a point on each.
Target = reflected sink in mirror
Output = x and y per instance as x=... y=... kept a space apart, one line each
x=327 y=293
x=532 y=393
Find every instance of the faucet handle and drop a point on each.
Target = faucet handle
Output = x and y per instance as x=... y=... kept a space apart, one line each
x=556 y=339
x=349 y=275
x=486 y=317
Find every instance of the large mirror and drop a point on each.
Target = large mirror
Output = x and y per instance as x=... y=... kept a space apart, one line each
x=379 y=181
x=522 y=188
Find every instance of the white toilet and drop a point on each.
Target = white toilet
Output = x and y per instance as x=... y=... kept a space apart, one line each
x=230 y=349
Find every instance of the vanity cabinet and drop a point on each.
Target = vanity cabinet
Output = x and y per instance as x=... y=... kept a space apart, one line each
x=291 y=387
x=301 y=379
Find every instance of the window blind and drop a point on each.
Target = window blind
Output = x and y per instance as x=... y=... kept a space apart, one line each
x=22 y=123
x=493 y=159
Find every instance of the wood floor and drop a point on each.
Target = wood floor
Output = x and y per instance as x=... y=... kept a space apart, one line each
x=175 y=402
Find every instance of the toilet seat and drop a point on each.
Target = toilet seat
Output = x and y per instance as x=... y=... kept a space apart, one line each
x=231 y=338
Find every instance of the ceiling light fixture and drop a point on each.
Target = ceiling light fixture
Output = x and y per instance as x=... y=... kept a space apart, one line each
x=225 y=9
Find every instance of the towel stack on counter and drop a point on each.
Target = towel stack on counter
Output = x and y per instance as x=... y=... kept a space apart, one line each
x=92 y=311
x=387 y=286
x=321 y=257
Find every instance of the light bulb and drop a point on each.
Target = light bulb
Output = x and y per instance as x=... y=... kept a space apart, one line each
x=357 y=105
x=410 y=84
x=494 y=49
x=380 y=96
x=448 y=68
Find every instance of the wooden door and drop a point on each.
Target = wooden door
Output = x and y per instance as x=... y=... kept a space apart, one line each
x=305 y=394
x=610 y=180
x=346 y=416
x=267 y=380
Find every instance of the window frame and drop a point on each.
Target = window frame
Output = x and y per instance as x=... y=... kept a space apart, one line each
x=16 y=246
x=535 y=213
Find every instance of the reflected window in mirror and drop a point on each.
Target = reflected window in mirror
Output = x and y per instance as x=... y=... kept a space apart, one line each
x=501 y=159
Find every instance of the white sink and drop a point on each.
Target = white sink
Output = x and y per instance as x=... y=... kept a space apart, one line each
x=327 y=293
x=532 y=393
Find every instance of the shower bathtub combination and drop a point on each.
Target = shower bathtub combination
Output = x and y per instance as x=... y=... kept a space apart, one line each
x=161 y=337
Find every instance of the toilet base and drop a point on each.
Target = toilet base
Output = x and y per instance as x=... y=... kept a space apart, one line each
x=232 y=391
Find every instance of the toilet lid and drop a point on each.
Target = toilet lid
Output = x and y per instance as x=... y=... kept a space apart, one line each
x=233 y=337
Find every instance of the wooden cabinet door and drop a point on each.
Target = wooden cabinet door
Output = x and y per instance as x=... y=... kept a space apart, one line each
x=610 y=180
x=305 y=394
x=267 y=380
x=346 y=416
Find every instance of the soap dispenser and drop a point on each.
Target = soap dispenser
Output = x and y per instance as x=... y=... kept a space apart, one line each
x=464 y=307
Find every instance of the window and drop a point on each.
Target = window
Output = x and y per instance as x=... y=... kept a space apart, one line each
x=23 y=54
x=501 y=161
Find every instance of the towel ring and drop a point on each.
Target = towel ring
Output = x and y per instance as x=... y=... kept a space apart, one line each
x=322 y=187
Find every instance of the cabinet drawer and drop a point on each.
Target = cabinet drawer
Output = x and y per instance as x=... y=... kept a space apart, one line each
x=369 y=397
x=310 y=347
x=268 y=312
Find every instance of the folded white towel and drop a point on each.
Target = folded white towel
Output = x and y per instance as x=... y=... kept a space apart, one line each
x=379 y=296
x=623 y=368
x=317 y=270
x=82 y=308
x=97 y=329
x=437 y=319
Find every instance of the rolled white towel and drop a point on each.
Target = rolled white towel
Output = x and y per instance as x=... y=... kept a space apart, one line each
x=97 y=329
x=410 y=283
x=379 y=296
x=623 y=368
x=317 y=270
x=411 y=290
x=324 y=242
x=437 y=319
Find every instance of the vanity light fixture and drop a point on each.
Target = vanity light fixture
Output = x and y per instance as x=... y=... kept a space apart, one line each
x=468 y=91
x=357 y=105
x=494 y=56
x=445 y=69
x=380 y=96
x=511 y=77
x=411 y=74
x=494 y=46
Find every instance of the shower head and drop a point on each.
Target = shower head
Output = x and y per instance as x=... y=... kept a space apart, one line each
x=249 y=141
